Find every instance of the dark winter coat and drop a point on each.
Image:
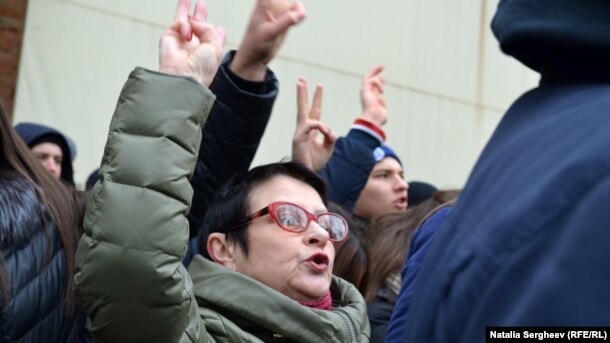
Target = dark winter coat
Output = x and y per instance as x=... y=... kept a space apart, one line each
x=36 y=267
x=528 y=242
x=418 y=248
x=231 y=134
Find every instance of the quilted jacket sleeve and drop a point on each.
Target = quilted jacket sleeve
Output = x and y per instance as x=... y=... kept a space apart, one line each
x=129 y=277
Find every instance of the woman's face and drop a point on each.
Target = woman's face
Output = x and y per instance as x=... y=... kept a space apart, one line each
x=299 y=265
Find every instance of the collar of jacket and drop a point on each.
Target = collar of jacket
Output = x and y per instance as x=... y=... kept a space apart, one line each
x=238 y=306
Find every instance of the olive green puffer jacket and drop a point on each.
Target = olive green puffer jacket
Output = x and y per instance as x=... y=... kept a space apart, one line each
x=130 y=279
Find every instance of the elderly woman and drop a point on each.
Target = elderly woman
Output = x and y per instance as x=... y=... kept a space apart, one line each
x=269 y=238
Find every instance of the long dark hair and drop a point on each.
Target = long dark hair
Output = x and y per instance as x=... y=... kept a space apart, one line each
x=351 y=259
x=60 y=201
x=390 y=235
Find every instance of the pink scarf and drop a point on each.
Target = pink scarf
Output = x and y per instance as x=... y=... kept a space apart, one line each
x=326 y=303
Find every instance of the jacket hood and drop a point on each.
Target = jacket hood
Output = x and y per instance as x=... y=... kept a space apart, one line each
x=556 y=35
x=33 y=134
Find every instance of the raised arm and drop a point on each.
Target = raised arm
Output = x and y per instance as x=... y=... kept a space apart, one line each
x=349 y=167
x=245 y=90
x=129 y=277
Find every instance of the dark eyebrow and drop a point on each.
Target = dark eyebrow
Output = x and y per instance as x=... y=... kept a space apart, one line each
x=387 y=170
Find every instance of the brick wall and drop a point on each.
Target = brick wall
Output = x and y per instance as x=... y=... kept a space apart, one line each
x=12 y=23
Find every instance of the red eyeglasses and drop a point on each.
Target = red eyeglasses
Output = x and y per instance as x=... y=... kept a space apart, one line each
x=293 y=218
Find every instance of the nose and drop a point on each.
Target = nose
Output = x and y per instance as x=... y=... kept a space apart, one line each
x=316 y=235
x=401 y=184
x=51 y=166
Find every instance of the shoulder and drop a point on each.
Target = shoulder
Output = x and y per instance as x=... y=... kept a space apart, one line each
x=21 y=213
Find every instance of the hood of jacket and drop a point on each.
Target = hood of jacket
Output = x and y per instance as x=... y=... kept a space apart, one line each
x=237 y=308
x=33 y=134
x=556 y=36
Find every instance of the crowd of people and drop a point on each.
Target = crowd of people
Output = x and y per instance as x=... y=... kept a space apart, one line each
x=177 y=239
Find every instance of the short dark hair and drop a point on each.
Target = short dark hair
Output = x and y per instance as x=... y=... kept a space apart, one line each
x=231 y=203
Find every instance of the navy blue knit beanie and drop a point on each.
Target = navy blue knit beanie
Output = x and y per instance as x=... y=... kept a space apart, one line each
x=384 y=151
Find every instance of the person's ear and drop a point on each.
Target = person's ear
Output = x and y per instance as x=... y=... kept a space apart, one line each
x=221 y=251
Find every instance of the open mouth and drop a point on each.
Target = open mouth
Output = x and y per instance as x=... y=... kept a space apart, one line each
x=401 y=203
x=318 y=262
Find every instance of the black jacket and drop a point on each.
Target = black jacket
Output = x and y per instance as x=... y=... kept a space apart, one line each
x=35 y=264
x=231 y=136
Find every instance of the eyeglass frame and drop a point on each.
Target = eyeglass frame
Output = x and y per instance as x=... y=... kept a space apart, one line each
x=310 y=217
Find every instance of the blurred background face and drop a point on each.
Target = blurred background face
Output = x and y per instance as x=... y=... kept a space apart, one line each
x=50 y=156
x=385 y=191
x=298 y=265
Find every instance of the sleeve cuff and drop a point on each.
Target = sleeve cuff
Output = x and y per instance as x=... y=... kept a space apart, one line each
x=370 y=128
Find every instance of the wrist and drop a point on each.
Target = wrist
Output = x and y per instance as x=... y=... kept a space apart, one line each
x=248 y=71
x=175 y=72
x=375 y=119
x=364 y=124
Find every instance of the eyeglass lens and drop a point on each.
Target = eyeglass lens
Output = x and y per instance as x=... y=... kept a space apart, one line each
x=294 y=218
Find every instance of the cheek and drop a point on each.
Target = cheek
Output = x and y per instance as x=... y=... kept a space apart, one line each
x=274 y=250
x=378 y=191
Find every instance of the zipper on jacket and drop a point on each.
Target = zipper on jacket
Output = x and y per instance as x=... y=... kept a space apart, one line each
x=350 y=326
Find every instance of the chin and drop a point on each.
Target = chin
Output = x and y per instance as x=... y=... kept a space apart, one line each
x=316 y=290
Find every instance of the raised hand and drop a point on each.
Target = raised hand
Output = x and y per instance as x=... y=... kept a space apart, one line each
x=268 y=26
x=306 y=147
x=371 y=97
x=191 y=46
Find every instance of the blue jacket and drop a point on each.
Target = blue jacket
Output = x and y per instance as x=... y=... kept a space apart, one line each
x=418 y=248
x=528 y=242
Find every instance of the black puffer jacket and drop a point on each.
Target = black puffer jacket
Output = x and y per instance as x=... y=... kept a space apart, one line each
x=231 y=135
x=34 y=262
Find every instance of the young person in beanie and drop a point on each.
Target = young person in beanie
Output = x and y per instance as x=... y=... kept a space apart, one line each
x=385 y=190
x=364 y=175
x=51 y=147
x=527 y=242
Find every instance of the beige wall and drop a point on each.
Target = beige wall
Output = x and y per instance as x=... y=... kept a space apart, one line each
x=447 y=82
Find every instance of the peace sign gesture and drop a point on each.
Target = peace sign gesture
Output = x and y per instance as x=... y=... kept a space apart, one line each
x=306 y=147
x=191 y=46
x=269 y=24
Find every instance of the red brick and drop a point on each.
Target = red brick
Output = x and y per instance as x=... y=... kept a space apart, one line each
x=12 y=20
x=10 y=39
x=13 y=9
